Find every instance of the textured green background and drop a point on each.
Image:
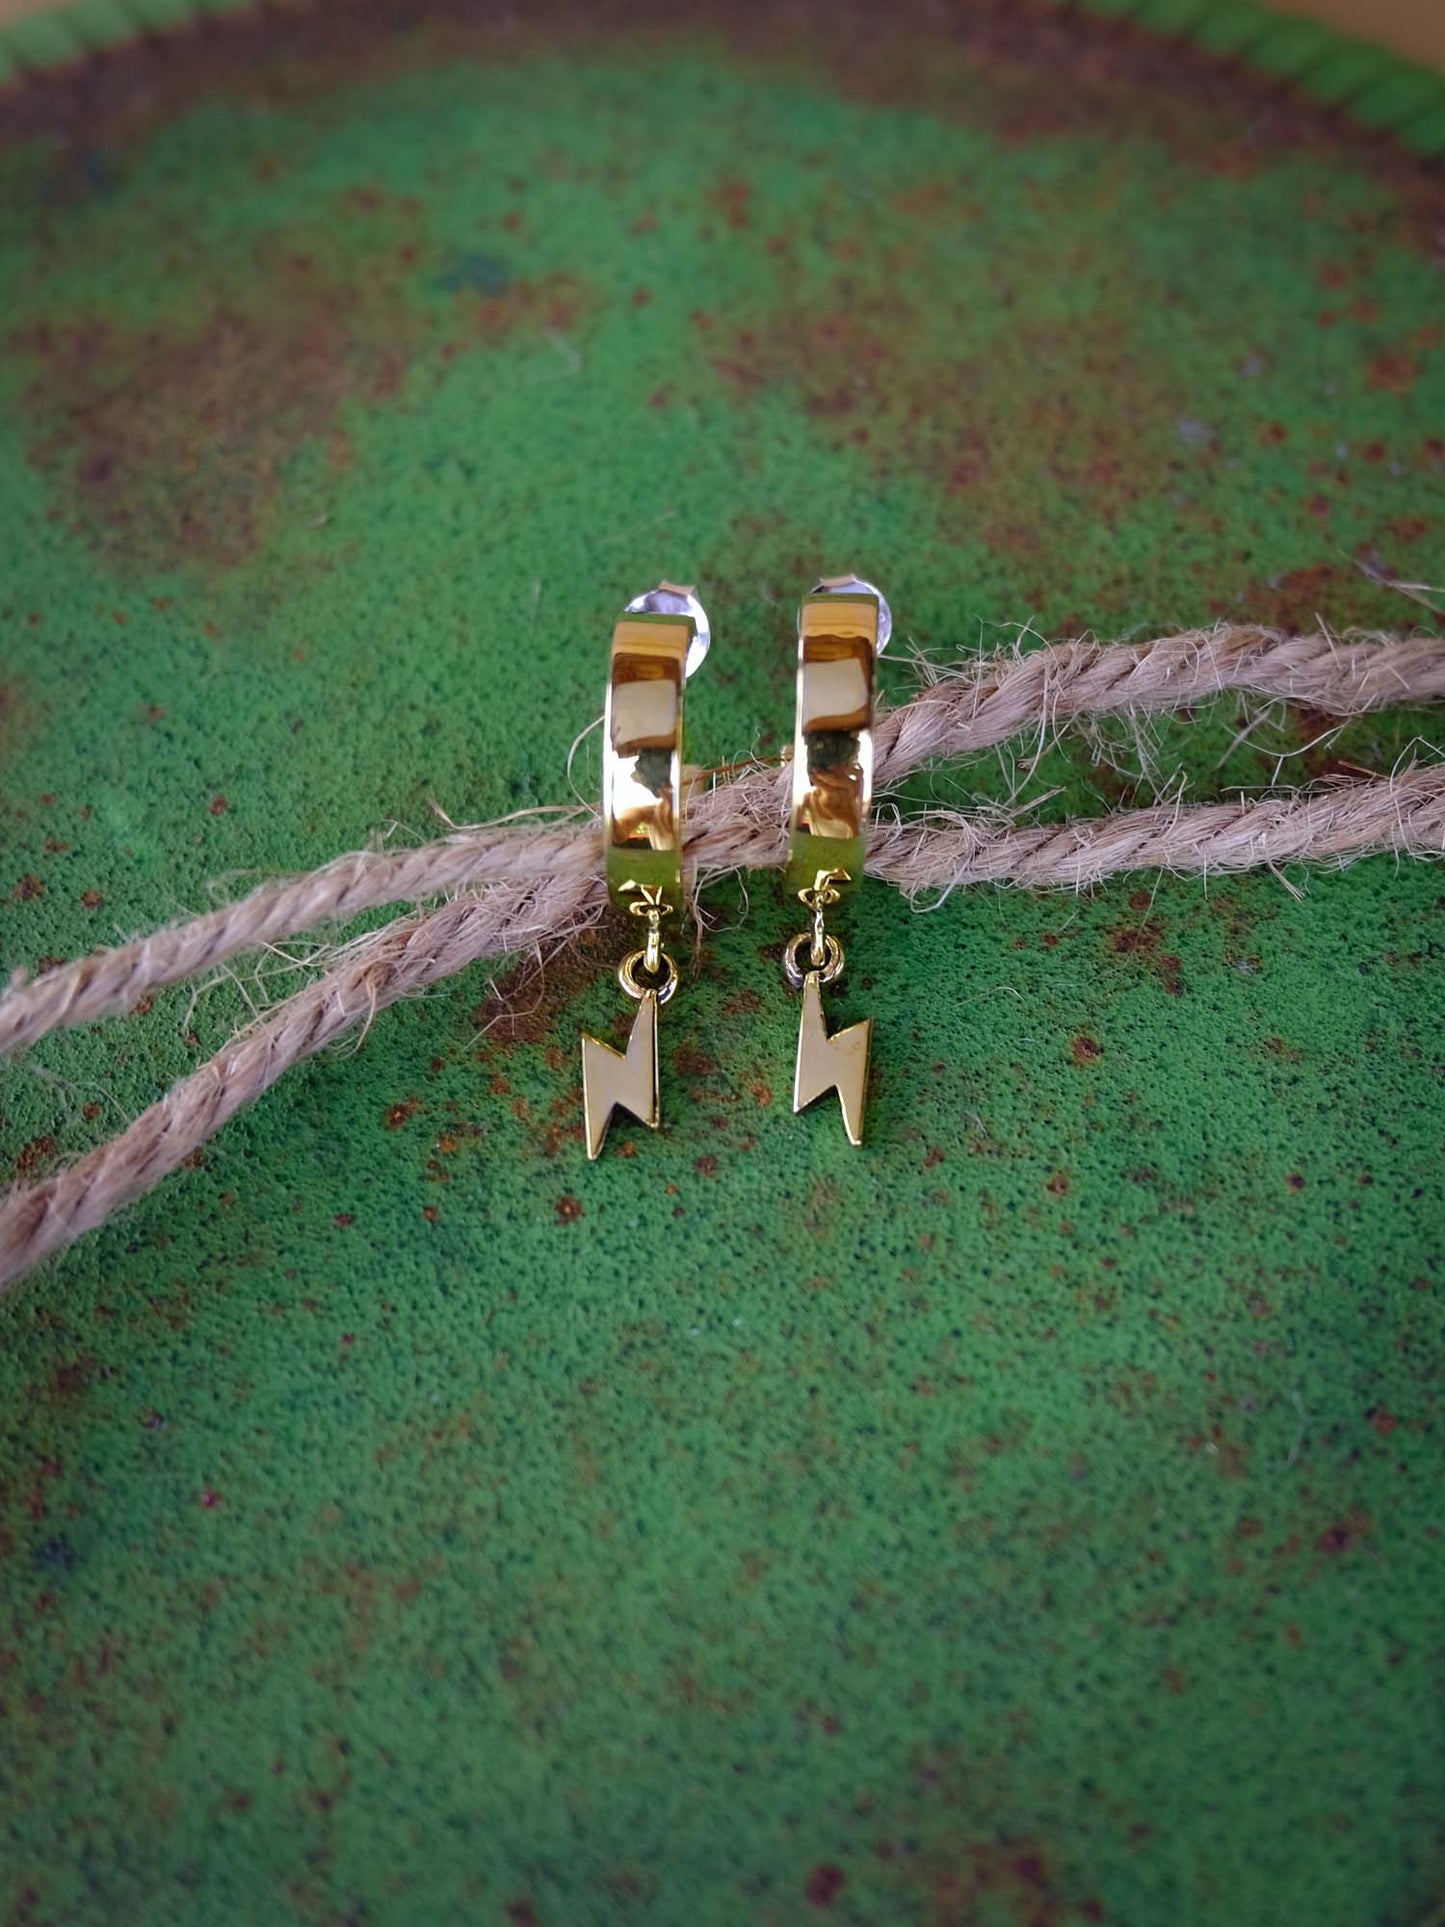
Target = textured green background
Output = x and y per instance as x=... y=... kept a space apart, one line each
x=1035 y=1519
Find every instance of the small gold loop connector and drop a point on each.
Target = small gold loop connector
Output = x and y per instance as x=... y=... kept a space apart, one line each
x=828 y=970
x=818 y=897
x=650 y=903
x=664 y=972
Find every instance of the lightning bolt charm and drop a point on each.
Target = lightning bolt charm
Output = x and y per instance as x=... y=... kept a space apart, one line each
x=838 y=1063
x=611 y=1077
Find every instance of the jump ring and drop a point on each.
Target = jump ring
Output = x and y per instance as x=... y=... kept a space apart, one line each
x=634 y=986
x=793 y=969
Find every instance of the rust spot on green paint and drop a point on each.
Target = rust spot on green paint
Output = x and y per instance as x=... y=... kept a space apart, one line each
x=1394 y=371
x=526 y=1004
x=1346 y=1534
x=824 y=1884
x=691 y=1060
x=1144 y=942
x=171 y=443
x=1077 y=411
x=1296 y=600
x=32 y=1158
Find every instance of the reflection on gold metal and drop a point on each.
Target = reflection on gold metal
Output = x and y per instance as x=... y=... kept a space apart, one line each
x=837 y=1063
x=825 y=1063
x=842 y=626
x=611 y=1078
x=642 y=756
x=833 y=736
x=644 y=790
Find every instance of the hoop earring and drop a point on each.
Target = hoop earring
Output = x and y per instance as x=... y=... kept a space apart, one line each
x=660 y=640
x=843 y=625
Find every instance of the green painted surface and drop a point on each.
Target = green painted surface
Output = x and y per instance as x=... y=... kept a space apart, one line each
x=1033 y=1519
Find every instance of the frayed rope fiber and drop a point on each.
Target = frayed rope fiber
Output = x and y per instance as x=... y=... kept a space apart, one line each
x=958 y=714
x=542 y=887
x=1405 y=813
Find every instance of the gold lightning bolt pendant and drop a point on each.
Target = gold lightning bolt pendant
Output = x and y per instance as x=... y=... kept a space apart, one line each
x=611 y=1078
x=837 y=1063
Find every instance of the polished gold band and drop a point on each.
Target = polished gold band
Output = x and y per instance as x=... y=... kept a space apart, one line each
x=642 y=758
x=833 y=740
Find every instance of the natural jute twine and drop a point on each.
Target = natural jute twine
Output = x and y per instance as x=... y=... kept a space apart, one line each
x=540 y=886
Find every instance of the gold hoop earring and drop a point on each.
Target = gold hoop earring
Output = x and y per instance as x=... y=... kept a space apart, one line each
x=660 y=640
x=843 y=626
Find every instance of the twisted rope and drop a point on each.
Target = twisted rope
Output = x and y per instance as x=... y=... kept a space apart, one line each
x=958 y=714
x=1405 y=813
